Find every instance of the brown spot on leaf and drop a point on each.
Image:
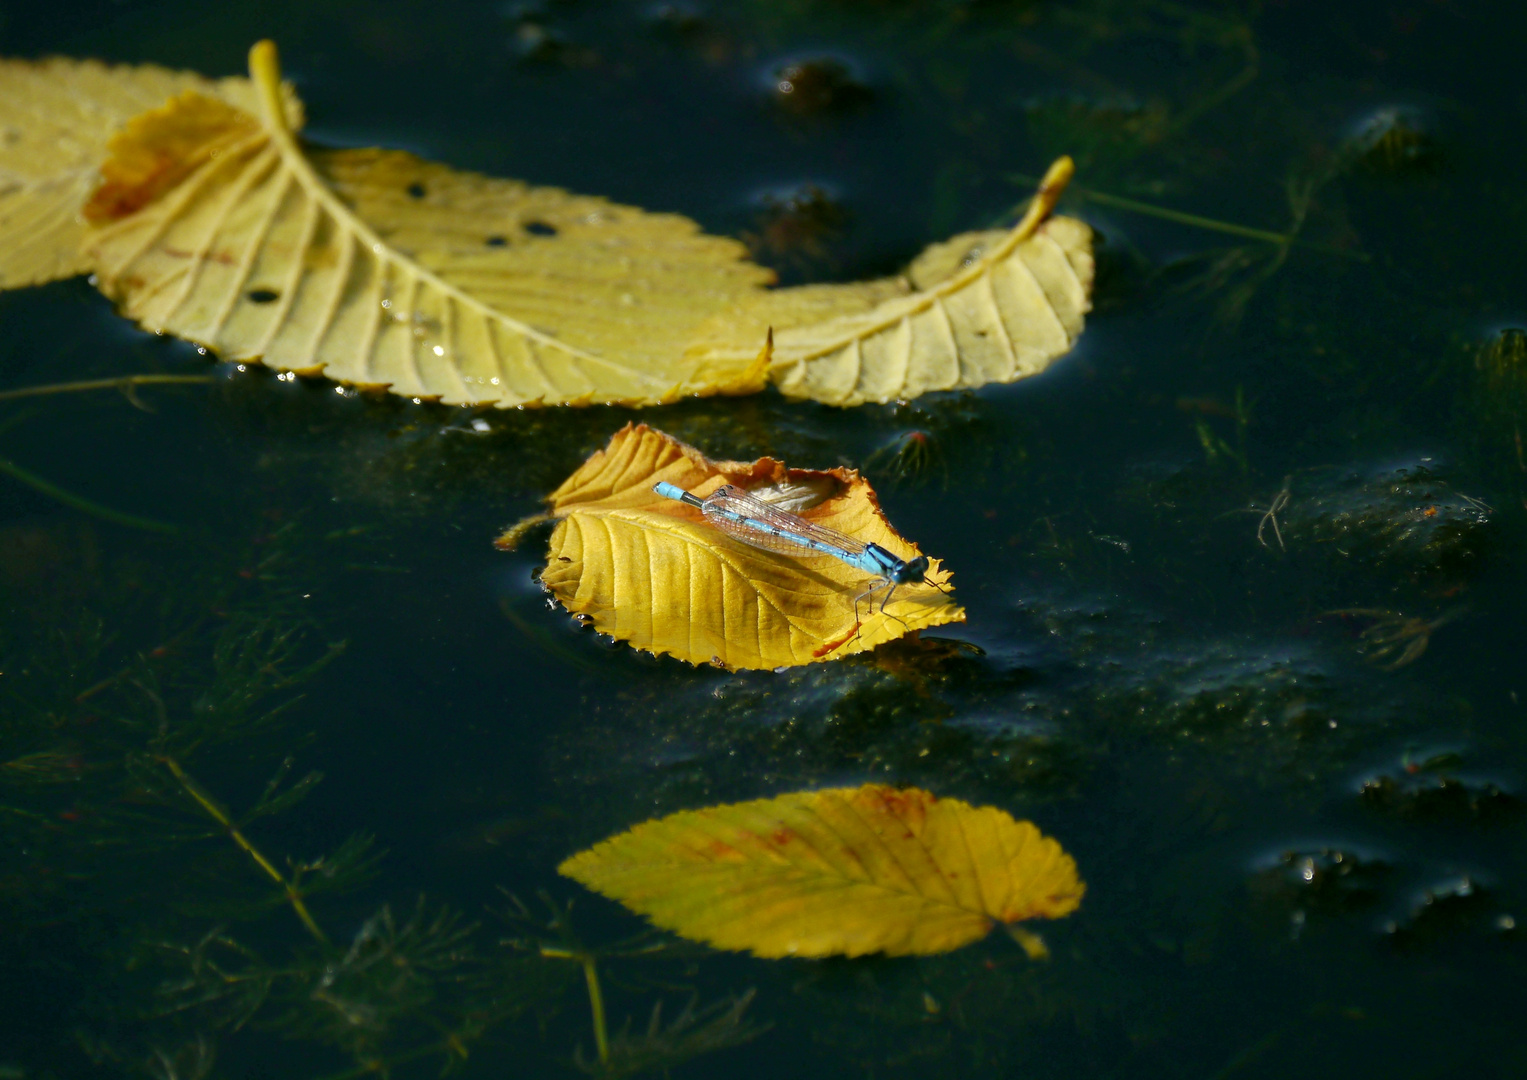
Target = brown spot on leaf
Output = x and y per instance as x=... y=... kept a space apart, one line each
x=160 y=148
x=720 y=849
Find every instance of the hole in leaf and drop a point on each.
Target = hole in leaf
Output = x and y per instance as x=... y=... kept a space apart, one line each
x=540 y=228
x=497 y=241
x=262 y=296
x=416 y=191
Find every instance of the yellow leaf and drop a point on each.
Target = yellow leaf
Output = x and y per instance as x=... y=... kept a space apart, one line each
x=376 y=268
x=59 y=115
x=977 y=309
x=845 y=871
x=379 y=269
x=653 y=572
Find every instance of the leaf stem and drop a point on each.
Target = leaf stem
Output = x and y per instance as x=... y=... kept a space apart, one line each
x=509 y=539
x=1051 y=187
x=216 y=813
x=124 y=383
x=53 y=491
x=265 y=70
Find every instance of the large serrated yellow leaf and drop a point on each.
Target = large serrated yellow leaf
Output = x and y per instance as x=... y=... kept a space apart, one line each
x=377 y=268
x=977 y=309
x=56 y=120
x=652 y=572
x=845 y=871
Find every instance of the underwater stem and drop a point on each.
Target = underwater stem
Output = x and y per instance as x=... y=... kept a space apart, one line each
x=162 y=650
x=596 y=995
x=124 y=383
x=10 y=468
x=1190 y=115
x=215 y=812
x=596 y=1005
x=1200 y=222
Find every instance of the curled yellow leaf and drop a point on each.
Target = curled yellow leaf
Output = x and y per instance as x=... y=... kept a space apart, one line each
x=845 y=871
x=379 y=269
x=976 y=309
x=653 y=572
x=59 y=116
x=211 y=221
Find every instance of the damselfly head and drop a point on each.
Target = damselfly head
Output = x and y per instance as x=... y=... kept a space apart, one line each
x=911 y=573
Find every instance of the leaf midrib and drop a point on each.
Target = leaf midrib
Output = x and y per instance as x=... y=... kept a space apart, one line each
x=1039 y=209
x=267 y=79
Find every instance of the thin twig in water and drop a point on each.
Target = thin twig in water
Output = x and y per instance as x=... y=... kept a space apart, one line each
x=1198 y=221
x=209 y=805
x=1269 y=513
x=1392 y=632
x=158 y=651
x=1280 y=502
x=128 y=384
x=10 y=468
x=596 y=995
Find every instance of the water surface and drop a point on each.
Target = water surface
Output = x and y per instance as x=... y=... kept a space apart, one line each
x=1302 y=836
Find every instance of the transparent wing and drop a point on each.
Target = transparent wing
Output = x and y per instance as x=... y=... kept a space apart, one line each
x=761 y=525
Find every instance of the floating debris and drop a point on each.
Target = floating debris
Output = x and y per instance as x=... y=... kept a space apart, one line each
x=1397 y=516
x=1432 y=790
x=1326 y=880
x=1393 y=141
x=1392 y=639
x=1462 y=905
x=819 y=86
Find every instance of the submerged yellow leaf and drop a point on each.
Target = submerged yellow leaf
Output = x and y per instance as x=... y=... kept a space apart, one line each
x=845 y=871
x=376 y=268
x=977 y=309
x=653 y=572
x=57 y=118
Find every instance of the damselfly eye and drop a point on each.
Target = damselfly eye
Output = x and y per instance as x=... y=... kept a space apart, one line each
x=914 y=570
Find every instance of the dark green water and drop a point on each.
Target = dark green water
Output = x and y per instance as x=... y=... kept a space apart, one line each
x=1303 y=855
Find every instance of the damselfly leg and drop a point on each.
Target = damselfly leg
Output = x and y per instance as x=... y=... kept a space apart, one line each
x=890 y=588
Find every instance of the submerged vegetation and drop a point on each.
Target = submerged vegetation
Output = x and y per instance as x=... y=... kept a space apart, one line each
x=213 y=930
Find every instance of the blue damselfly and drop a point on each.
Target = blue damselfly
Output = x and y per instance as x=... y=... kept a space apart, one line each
x=770 y=528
